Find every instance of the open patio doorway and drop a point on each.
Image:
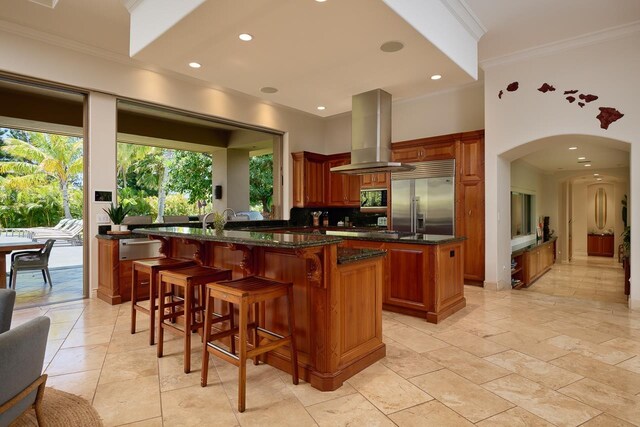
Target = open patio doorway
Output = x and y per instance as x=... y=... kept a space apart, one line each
x=42 y=173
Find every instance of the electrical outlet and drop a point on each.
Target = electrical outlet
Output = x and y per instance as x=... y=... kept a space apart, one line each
x=102 y=218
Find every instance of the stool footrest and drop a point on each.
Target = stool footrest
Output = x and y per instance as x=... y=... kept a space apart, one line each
x=223 y=353
x=267 y=333
x=257 y=351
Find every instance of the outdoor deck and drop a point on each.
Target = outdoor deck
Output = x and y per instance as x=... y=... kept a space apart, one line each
x=65 y=266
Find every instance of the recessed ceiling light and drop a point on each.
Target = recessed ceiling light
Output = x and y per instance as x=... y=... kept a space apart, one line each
x=268 y=89
x=321 y=107
x=598 y=179
x=587 y=165
x=194 y=65
x=436 y=77
x=596 y=174
x=245 y=37
x=321 y=1
x=581 y=158
x=573 y=148
x=392 y=46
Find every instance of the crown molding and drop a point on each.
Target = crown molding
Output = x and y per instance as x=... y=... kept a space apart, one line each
x=589 y=39
x=463 y=13
x=131 y=4
x=479 y=82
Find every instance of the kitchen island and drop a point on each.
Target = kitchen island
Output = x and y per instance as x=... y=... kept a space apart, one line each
x=337 y=293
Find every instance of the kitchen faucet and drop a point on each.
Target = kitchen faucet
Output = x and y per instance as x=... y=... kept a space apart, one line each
x=204 y=218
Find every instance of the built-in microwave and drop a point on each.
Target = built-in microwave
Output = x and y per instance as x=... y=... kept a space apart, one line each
x=375 y=198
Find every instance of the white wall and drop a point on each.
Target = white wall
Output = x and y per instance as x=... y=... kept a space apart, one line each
x=608 y=69
x=441 y=113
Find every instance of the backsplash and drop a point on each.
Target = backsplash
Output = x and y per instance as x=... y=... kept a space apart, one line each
x=302 y=216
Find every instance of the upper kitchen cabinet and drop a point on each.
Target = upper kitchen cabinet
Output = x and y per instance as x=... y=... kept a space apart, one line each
x=308 y=179
x=424 y=149
x=374 y=180
x=471 y=158
x=341 y=189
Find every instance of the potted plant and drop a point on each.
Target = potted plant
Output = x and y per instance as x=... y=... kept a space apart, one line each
x=626 y=240
x=218 y=222
x=117 y=215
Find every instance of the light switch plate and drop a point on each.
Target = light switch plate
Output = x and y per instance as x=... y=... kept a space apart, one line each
x=102 y=218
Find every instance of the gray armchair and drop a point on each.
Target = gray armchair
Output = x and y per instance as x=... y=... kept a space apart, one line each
x=7 y=301
x=21 y=358
x=31 y=260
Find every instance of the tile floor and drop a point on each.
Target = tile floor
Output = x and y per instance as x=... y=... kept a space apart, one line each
x=32 y=291
x=508 y=359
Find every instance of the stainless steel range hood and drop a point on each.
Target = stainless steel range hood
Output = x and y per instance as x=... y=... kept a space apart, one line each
x=371 y=136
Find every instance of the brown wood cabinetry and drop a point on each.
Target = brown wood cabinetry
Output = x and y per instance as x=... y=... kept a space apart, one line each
x=308 y=179
x=374 y=180
x=532 y=263
x=114 y=275
x=600 y=245
x=421 y=280
x=424 y=149
x=341 y=189
x=468 y=150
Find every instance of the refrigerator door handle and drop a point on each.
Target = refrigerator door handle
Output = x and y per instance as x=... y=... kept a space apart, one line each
x=414 y=215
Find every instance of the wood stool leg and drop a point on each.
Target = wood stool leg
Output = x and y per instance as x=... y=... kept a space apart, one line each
x=134 y=285
x=161 y=315
x=188 y=325
x=242 y=374
x=153 y=284
x=206 y=335
x=232 y=324
x=256 y=338
x=292 y=329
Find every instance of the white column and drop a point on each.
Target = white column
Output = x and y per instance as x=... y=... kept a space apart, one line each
x=102 y=131
x=497 y=222
x=634 y=222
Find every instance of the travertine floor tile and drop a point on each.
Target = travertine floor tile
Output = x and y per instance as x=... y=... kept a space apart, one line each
x=467 y=365
x=352 y=410
x=613 y=376
x=580 y=332
x=77 y=359
x=608 y=399
x=129 y=365
x=632 y=364
x=588 y=349
x=310 y=396
x=624 y=344
x=473 y=344
x=606 y=420
x=515 y=417
x=128 y=401
x=466 y=398
x=151 y=422
x=406 y=362
x=529 y=346
x=414 y=339
x=206 y=406
x=80 y=383
x=88 y=336
x=388 y=391
x=541 y=401
x=432 y=413
x=536 y=370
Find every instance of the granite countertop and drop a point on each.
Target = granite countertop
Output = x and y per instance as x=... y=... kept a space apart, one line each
x=254 y=238
x=375 y=235
x=517 y=250
x=348 y=255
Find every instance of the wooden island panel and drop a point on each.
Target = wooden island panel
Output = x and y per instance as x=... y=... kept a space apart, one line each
x=338 y=308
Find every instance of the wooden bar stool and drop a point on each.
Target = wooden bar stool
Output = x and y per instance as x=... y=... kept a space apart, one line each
x=191 y=281
x=151 y=267
x=246 y=292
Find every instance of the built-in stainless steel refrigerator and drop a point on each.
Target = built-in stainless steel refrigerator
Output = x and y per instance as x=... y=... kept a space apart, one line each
x=423 y=200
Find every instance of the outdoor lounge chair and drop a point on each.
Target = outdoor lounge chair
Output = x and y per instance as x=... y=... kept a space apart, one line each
x=7 y=301
x=69 y=233
x=31 y=260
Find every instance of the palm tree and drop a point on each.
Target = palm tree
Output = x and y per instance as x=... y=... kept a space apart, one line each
x=45 y=157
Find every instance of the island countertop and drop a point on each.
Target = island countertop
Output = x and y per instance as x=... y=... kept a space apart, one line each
x=252 y=238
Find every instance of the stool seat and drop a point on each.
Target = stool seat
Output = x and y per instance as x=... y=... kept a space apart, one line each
x=191 y=280
x=246 y=292
x=150 y=266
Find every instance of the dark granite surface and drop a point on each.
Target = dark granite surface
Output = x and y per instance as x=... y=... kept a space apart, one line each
x=348 y=255
x=517 y=250
x=254 y=238
x=376 y=235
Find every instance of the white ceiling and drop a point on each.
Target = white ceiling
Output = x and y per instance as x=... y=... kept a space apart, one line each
x=553 y=154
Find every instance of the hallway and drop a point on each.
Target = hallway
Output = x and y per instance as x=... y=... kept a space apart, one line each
x=590 y=278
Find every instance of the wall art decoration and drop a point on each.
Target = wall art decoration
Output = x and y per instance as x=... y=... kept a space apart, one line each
x=607 y=115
